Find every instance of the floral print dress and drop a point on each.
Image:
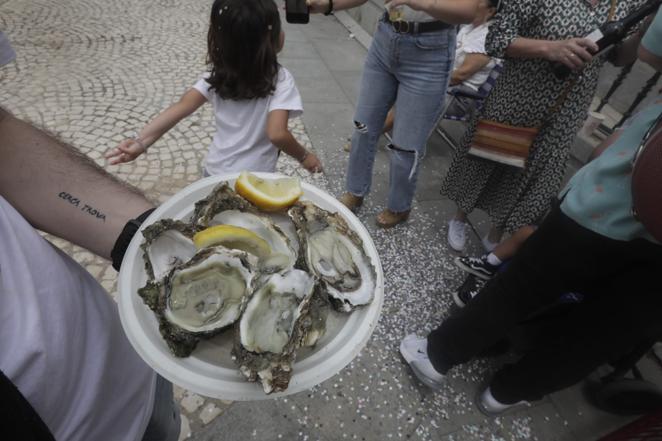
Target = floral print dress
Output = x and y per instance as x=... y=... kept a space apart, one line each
x=523 y=95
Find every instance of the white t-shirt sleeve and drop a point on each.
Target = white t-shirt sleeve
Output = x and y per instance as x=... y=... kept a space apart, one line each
x=474 y=41
x=202 y=86
x=286 y=96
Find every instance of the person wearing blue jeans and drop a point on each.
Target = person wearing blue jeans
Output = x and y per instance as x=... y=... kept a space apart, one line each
x=408 y=64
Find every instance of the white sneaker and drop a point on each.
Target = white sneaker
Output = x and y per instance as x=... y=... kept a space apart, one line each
x=457 y=234
x=488 y=244
x=491 y=407
x=414 y=350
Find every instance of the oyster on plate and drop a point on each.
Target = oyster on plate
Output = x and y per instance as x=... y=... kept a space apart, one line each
x=334 y=253
x=201 y=297
x=283 y=314
x=221 y=198
x=167 y=243
x=225 y=207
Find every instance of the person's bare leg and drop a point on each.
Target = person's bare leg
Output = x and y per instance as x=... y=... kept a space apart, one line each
x=508 y=248
x=390 y=118
x=460 y=215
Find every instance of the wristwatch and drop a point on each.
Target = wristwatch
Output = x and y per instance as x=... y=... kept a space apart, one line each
x=329 y=11
x=123 y=240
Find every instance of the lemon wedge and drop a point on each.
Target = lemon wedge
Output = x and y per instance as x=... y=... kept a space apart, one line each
x=232 y=237
x=268 y=194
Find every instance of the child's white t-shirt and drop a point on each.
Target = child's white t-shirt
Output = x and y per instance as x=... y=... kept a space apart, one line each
x=241 y=141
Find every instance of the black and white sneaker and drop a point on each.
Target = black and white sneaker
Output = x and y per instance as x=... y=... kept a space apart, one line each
x=468 y=290
x=479 y=267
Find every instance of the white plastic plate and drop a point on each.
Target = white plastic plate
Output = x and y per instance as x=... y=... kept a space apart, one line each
x=210 y=370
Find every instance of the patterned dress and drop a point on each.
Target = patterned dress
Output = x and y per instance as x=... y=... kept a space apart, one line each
x=523 y=96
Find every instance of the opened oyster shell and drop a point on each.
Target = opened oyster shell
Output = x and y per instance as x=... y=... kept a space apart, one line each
x=167 y=243
x=200 y=298
x=334 y=253
x=225 y=207
x=221 y=198
x=281 y=316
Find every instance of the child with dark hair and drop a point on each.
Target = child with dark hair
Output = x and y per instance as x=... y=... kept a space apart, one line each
x=252 y=95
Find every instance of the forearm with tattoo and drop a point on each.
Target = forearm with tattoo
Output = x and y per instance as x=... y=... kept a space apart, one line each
x=61 y=191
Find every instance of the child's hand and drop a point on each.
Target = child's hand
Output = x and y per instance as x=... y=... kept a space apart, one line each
x=312 y=163
x=128 y=150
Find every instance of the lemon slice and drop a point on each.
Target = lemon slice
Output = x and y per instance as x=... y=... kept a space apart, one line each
x=232 y=237
x=268 y=194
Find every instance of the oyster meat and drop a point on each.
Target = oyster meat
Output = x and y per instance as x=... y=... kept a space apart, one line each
x=281 y=316
x=334 y=253
x=200 y=298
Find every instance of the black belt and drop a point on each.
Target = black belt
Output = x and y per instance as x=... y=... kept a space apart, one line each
x=415 y=27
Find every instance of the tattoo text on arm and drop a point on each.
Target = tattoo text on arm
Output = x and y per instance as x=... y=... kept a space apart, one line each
x=76 y=202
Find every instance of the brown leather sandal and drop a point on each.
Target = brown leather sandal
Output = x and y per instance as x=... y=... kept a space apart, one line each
x=388 y=218
x=350 y=201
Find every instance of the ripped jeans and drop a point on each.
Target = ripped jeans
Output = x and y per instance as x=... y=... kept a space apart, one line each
x=411 y=71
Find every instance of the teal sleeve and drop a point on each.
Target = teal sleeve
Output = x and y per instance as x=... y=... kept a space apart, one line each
x=652 y=40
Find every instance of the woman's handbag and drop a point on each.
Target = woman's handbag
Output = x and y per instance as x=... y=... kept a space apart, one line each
x=509 y=144
x=647 y=181
x=502 y=142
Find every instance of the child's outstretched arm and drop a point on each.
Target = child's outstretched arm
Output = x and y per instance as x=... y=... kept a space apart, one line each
x=280 y=136
x=130 y=149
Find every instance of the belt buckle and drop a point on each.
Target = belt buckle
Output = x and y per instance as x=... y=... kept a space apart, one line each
x=397 y=26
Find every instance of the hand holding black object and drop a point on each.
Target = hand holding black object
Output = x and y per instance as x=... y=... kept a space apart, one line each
x=611 y=33
x=574 y=53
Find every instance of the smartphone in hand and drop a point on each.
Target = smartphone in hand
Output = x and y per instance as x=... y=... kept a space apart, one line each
x=296 y=11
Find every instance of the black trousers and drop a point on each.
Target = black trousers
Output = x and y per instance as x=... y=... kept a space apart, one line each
x=622 y=285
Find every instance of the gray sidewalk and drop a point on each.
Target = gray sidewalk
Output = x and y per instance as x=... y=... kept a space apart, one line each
x=95 y=72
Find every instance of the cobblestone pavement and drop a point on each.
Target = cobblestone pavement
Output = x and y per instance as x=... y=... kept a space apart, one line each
x=94 y=72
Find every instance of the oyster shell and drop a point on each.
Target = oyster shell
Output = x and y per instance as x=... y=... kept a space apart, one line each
x=280 y=317
x=167 y=243
x=225 y=207
x=334 y=253
x=283 y=255
x=200 y=298
x=221 y=198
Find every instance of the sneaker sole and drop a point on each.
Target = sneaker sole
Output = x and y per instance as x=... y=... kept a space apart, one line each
x=485 y=411
x=421 y=377
x=468 y=269
x=424 y=379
